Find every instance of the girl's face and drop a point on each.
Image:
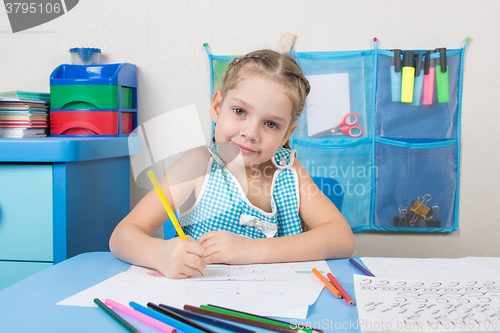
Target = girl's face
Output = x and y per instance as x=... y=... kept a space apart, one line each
x=254 y=116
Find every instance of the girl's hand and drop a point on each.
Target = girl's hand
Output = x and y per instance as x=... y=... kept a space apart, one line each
x=225 y=247
x=180 y=259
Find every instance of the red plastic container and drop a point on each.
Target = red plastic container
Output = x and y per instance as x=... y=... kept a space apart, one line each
x=90 y=122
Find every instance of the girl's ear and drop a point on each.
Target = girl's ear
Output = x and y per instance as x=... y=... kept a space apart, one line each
x=288 y=133
x=216 y=103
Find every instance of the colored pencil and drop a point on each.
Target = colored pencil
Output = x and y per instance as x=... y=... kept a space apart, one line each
x=241 y=320
x=208 y=320
x=339 y=287
x=195 y=327
x=165 y=203
x=117 y=318
x=184 y=327
x=169 y=210
x=327 y=284
x=361 y=268
x=256 y=317
x=140 y=316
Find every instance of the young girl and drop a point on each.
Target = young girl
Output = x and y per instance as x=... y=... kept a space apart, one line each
x=247 y=204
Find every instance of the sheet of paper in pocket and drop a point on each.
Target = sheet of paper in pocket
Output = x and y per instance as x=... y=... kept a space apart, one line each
x=328 y=102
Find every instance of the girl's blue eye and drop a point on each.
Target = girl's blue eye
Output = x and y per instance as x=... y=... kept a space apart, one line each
x=239 y=112
x=271 y=124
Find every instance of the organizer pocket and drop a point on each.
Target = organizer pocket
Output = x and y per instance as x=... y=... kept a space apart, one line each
x=396 y=119
x=416 y=185
x=341 y=83
x=218 y=69
x=349 y=164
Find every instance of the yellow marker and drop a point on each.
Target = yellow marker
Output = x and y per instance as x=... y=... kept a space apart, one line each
x=408 y=77
x=169 y=210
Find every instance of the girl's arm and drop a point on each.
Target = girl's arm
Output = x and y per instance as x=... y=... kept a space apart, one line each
x=330 y=235
x=132 y=239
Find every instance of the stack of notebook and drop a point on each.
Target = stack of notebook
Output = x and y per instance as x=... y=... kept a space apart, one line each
x=24 y=114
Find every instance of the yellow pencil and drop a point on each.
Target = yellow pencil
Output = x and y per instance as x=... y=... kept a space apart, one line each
x=169 y=210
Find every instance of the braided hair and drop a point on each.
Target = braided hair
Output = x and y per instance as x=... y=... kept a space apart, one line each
x=273 y=65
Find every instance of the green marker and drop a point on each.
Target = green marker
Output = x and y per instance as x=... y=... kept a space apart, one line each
x=442 y=77
x=255 y=317
x=117 y=318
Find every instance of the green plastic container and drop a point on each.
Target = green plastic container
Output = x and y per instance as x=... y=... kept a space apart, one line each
x=127 y=98
x=84 y=97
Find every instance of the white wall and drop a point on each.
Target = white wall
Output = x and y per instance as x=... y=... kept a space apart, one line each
x=164 y=39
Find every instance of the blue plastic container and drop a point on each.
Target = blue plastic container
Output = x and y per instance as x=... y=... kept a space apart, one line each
x=85 y=55
x=124 y=74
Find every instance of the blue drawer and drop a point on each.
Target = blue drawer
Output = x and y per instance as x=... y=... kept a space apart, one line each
x=26 y=212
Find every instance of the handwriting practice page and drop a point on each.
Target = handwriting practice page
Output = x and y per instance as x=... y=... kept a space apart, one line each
x=398 y=305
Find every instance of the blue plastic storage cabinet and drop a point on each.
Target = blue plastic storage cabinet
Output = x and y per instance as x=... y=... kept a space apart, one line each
x=60 y=197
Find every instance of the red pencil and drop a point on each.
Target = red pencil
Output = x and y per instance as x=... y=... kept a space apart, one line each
x=337 y=293
x=342 y=291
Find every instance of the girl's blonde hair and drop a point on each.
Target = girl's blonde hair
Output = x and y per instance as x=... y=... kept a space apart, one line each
x=273 y=65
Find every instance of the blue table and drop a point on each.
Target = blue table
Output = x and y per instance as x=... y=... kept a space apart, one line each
x=30 y=305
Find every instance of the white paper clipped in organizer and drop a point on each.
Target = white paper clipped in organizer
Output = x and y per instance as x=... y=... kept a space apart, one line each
x=328 y=102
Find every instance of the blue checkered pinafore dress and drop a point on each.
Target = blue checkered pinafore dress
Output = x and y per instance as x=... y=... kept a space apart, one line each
x=222 y=204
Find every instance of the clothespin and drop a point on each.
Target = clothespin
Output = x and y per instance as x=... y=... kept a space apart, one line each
x=287 y=42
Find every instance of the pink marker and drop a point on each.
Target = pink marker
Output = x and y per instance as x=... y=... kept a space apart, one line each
x=429 y=75
x=140 y=316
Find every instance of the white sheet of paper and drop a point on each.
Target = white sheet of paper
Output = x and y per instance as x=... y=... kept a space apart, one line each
x=434 y=268
x=262 y=297
x=294 y=272
x=328 y=102
x=400 y=305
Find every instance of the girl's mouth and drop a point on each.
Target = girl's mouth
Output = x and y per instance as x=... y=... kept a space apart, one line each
x=244 y=149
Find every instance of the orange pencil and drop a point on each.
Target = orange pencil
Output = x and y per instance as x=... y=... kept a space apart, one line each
x=339 y=287
x=327 y=284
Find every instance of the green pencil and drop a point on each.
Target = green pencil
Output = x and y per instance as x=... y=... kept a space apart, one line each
x=116 y=317
x=255 y=317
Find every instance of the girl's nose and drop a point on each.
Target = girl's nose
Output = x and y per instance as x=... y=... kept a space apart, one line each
x=250 y=130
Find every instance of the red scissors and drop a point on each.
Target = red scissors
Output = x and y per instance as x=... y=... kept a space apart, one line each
x=347 y=126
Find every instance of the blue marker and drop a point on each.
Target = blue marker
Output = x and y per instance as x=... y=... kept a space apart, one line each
x=396 y=76
x=419 y=80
